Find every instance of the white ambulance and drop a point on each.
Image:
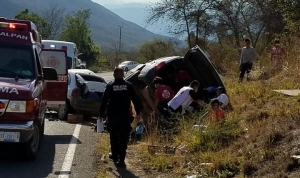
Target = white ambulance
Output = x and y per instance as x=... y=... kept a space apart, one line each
x=70 y=47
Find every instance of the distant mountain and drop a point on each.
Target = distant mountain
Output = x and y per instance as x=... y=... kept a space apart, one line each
x=138 y=13
x=103 y=22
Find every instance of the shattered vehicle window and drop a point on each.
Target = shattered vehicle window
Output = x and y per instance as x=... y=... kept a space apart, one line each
x=92 y=78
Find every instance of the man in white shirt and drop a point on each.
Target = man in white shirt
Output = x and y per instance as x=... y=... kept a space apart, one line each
x=222 y=97
x=248 y=55
x=184 y=98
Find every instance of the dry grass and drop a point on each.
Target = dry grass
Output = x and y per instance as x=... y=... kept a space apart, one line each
x=103 y=150
x=257 y=139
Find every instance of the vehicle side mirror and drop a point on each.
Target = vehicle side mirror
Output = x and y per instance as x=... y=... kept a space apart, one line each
x=49 y=73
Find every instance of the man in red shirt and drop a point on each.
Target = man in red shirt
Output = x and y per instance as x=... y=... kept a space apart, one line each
x=163 y=95
x=183 y=78
x=277 y=52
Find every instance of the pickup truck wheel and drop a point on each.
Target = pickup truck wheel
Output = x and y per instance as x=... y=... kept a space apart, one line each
x=63 y=111
x=32 y=147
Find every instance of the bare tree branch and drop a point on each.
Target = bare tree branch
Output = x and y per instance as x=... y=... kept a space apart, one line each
x=55 y=16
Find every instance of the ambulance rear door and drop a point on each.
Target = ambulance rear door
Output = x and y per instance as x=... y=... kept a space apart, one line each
x=56 y=91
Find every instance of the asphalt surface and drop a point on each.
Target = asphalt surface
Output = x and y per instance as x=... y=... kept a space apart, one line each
x=59 y=151
x=108 y=76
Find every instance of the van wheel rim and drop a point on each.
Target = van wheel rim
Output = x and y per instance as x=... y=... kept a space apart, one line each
x=35 y=139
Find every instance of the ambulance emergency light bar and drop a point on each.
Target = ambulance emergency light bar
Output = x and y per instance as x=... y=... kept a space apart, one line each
x=14 y=26
x=52 y=46
x=30 y=26
x=20 y=25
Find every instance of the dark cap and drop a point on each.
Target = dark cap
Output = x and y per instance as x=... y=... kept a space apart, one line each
x=157 y=80
x=214 y=101
x=221 y=89
x=194 y=83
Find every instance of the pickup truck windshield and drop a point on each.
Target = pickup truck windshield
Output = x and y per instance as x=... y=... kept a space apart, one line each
x=16 y=61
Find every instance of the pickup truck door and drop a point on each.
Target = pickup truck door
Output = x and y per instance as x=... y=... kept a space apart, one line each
x=56 y=91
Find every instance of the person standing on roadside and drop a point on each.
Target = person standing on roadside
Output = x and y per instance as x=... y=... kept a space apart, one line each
x=277 y=52
x=117 y=99
x=248 y=55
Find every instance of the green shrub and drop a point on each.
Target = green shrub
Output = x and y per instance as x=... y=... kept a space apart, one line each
x=214 y=137
x=95 y=68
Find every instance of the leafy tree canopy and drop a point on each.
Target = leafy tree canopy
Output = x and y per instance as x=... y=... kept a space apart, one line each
x=41 y=23
x=77 y=30
x=155 y=49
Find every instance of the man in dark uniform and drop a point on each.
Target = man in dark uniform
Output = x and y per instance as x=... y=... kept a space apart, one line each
x=117 y=99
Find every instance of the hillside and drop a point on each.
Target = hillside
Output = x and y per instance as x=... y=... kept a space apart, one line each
x=260 y=137
x=104 y=23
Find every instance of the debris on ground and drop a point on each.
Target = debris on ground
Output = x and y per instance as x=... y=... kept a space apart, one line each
x=289 y=92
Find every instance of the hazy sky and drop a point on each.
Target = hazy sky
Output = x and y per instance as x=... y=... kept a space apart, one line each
x=141 y=1
x=124 y=1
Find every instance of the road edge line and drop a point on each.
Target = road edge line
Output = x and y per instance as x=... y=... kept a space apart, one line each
x=67 y=164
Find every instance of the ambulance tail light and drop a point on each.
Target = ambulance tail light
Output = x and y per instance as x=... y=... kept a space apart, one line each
x=14 y=26
x=75 y=92
x=160 y=65
x=64 y=48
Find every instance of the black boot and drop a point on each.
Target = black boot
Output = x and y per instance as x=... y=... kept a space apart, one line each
x=112 y=157
x=122 y=164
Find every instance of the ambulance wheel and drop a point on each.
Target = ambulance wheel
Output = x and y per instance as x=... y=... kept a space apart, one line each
x=63 y=111
x=42 y=129
x=32 y=147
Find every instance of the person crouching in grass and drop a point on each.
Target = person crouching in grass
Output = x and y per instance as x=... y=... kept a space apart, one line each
x=216 y=113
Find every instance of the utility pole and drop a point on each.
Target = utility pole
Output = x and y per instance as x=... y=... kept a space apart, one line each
x=120 y=38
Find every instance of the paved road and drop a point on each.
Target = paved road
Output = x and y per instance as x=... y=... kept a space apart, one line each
x=54 y=158
x=67 y=150
x=108 y=76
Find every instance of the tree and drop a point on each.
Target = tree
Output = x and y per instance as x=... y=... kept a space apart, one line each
x=55 y=16
x=186 y=15
x=77 y=30
x=244 y=19
x=290 y=11
x=41 y=23
x=155 y=49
